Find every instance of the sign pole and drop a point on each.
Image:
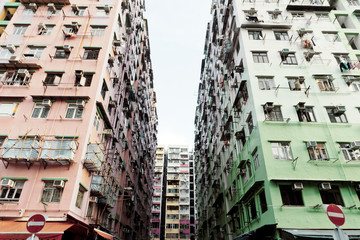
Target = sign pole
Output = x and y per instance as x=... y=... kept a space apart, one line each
x=33 y=236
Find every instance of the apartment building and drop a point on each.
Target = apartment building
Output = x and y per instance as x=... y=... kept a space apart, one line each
x=78 y=119
x=178 y=198
x=277 y=120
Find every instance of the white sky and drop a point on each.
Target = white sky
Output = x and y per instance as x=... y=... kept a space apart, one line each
x=177 y=31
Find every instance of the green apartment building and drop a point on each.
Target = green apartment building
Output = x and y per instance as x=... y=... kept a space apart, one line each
x=278 y=121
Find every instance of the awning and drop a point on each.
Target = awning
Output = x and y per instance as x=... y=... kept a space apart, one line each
x=317 y=233
x=104 y=234
x=264 y=232
x=17 y=230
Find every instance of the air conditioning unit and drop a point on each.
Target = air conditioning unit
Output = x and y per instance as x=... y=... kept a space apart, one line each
x=93 y=199
x=80 y=103
x=75 y=26
x=79 y=73
x=357 y=187
x=33 y=6
x=75 y=8
x=349 y=79
x=67 y=48
x=82 y=81
x=239 y=69
x=59 y=183
x=285 y=52
x=339 y=110
x=51 y=7
x=269 y=106
x=23 y=72
x=297 y=186
x=41 y=26
x=311 y=144
x=301 y=79
x=309 y=54
x=7 y=183
x=107 y=8
x=252 y=11
x=355 y=145
x=15 y=59
x=108 y=132
x=325 y=186
x=300 y=106
x=11 y=47
x=276 y=11
x=46 y=102
x=117 y=43
x=112 y=103
x=57 y=80
x=111 y=60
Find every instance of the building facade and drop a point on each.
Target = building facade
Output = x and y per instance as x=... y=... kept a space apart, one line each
x=178 y=198
x=78 y=119
x=277 y=120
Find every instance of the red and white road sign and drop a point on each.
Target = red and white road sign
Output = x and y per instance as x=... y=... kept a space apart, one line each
x=335 y=215
x=35 y=223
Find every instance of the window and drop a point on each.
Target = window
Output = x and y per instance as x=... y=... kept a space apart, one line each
x=53 y=79
x=73 y=111
x=5 y=53
x=348 y=152
x=104 y=89
x=306 y=114
x=13 y=193
x=318 y=152
x=8 y=109
x=296 y=83
x=40 y=111
x=91 y=53
x=273 y=114
x=97 y=31
x=250 y=123
x=288 y=59
x=18 y=78
x=84 y=81
x=97 y=121
x=341 y=58
x=266 y=83
x=290 y=197
x=20 y=29
x=255 y=35
x=172 y=216
x=260 y=57
x=325 y=83
x=280 y=35
x=47 y=30
x=353 y=2
x=353 y=39
x=34 y=52
x=281 y=150
x=336 y=116
x=80 y=197
x=51 y=193
x=80 y=11
x=332 y=196
x=251 y=206
x=255 y=157
x=355 y=85
x=62 y=53
x=172 y=226
x=28 y=12
x=322 y=16
x=263 y=203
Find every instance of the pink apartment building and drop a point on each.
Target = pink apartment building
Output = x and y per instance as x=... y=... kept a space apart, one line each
x=77 y=120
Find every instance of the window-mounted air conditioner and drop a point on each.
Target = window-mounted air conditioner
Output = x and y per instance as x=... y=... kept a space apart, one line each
x=7 y=183
x=355 y=145
x=75 y=8
x=325 y=186
x=75 y=26
x=79 y=73
x=252 y=11
x=285 y=52
x=51 y=7
x=67 y=48
x=80 y=103
x=269 y=106
x=59 y=183
x=309 y=54
x=276 y=11
x=46 y=102
x=41 y=26
x=56 y=81
x=301 y=79
x=300 y=106
x=339 y=110
x=93 y=199
x=297 y=186
x=15 y=59
x=111 y=60
x=107 y=8
x=108 y=132
x=349 y=79
x=117 y=43
x=11 y=47
x=311 y=144
x=33 y=6
x=23 y=72
x=112 y=103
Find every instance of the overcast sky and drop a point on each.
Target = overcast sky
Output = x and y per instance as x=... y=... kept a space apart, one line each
x=177 y=31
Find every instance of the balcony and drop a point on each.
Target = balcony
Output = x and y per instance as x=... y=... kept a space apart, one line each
x=309 y=5
x=94 y=158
